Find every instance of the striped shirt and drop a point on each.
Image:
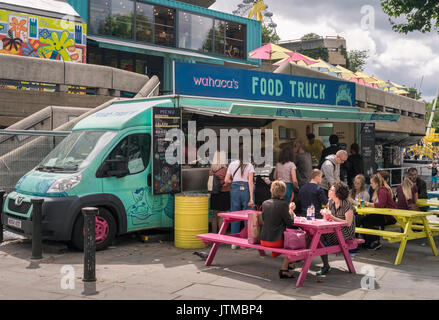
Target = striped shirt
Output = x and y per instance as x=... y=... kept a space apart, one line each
x=349 y=231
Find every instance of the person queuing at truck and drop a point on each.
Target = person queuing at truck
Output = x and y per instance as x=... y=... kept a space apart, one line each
x=286 y=171
x=331 y=169
x=434 y=176
x=354 y=164
x=219 y=202
x=314 y=147
x=332 y=149
x=277 y=216
x=313 y=194
x=407 y=194
x=303 y=163
x=382 y=198
x=240 y=176
x=340 y=210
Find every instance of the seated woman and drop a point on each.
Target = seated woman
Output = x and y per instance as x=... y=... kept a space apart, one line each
x=407 y=194
x=277 y=217
x=341 y=210
x=359 y=192
x=382 y=198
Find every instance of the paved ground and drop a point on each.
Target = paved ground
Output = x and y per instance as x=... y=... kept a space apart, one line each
x=157 y=270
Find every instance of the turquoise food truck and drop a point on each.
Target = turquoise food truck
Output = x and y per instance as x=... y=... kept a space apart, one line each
x=105 y=162
x=114 y=158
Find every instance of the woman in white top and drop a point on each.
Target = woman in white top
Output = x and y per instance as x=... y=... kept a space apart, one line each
x=240 y=175
x=286 y=171
x=359 y=191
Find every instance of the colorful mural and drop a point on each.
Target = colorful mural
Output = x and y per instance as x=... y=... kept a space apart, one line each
x=41 y=37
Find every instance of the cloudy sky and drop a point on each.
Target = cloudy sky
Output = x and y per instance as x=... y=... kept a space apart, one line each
x=404 y=59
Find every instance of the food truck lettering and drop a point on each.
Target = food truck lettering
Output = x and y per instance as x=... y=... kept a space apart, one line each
x=229 y=83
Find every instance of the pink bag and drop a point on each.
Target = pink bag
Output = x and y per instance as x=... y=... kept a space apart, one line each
x=294 y=239
x=254 y=225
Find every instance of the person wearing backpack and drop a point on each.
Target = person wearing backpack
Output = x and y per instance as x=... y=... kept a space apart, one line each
x=219 y=189
x=240 y=176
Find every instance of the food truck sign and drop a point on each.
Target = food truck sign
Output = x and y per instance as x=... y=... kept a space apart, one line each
x=220 y=82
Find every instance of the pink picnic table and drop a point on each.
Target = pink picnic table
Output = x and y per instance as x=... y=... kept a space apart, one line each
x=315 y=229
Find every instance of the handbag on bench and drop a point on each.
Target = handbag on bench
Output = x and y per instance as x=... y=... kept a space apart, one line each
x=254 y=225
x=294 y=239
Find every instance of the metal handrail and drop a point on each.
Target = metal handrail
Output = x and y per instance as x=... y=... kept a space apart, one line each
x=402 y=170
x=35 y=132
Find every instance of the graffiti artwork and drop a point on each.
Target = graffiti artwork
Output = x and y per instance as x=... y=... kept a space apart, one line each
x=41 y=37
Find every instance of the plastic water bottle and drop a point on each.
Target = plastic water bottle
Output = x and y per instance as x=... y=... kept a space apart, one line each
x=313 y=212
x=309 y=213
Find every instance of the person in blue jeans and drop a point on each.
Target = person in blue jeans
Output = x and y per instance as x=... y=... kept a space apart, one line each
x=240 y=175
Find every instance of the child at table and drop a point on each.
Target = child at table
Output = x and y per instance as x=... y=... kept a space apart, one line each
x=340 y=210
x=277 y=217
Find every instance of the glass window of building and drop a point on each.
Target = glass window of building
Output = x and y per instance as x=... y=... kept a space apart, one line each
x=144 y=22
x=122 y=17
x=220 y=37
x=195 y=32
x=164 y=26
x=100 y=17
x=235 y=40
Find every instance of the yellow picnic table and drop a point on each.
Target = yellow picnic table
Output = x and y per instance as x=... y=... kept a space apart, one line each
x=428 y=203
x=409 y=221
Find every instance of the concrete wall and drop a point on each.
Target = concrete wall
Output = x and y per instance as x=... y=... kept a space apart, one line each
x=16 y=105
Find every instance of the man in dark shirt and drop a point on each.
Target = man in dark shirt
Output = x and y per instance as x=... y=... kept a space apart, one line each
x=354 y=164
x=421 y=184
x=312 y=194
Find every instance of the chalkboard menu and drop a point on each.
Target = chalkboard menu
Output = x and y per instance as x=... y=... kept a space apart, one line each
x=368 y=148
x=166 y=176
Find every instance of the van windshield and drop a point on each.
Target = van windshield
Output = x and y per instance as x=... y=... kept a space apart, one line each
x=76 y=151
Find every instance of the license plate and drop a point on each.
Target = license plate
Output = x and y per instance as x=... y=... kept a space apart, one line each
x=14 y=223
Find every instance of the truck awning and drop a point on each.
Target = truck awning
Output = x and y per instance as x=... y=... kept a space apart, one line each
x=133 y=47
x=249 y=109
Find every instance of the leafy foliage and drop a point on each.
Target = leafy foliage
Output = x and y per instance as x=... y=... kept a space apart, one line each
x=435 y=123
x=419 y=15
x=356 y=59
x=310 y=36
x=269 y=35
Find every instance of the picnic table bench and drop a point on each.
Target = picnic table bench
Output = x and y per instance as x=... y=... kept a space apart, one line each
x=409 y=221
x=314 y=230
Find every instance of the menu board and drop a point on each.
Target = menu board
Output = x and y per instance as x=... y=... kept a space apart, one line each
x=166 y=176
x=368 y=148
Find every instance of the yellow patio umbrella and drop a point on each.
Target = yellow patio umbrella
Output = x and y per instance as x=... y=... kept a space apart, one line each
x=366 y=78
x=270 y=51
x=397 y=85
x=321 y=64
x=346 y=73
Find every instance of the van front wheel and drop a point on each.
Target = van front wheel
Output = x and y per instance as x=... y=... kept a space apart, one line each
x=105 y=230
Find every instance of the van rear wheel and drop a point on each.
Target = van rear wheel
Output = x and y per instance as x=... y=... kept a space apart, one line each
x=105 y=230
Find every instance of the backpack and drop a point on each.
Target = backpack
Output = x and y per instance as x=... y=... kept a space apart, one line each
x=214 y=183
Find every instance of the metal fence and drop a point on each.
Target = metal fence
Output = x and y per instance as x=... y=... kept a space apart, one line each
x=397 y=174
x=22 y=150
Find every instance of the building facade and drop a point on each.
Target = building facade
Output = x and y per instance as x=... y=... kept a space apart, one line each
x=148 y=36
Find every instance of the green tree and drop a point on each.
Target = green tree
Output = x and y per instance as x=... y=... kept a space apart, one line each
x=414 y=93
x=419 y=15
x=269 y=35
x=356 y=59
x=310 y=36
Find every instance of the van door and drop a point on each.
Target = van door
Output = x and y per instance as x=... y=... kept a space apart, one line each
x=132 y=189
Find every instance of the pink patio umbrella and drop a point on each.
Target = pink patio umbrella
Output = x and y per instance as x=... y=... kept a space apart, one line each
x=270 y=51
x=295 y=57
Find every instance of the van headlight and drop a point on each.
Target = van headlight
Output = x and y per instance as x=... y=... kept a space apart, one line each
x=65 y=184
